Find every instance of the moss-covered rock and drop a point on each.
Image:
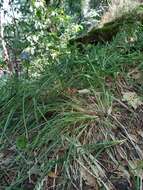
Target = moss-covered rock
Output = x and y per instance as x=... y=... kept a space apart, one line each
x=109 y=30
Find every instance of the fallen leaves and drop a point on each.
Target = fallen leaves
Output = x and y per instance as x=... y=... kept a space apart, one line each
x=88 y=178
x=132 y=99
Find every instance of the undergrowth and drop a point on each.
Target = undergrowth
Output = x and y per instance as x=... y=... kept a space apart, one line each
x=72 y=128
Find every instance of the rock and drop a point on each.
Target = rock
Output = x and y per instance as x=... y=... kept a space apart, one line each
x=122 y=184
x=109 y=30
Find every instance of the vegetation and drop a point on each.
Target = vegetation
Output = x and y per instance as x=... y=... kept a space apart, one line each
x=71 y=115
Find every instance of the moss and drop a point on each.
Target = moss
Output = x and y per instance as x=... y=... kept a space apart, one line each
x=109 y=30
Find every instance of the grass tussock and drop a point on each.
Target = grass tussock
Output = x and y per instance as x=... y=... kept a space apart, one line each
x=80 y=124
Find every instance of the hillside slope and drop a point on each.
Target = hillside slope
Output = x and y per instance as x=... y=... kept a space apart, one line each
x=79 y=125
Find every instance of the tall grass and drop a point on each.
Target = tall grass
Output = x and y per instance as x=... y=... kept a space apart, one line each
x=70 y=128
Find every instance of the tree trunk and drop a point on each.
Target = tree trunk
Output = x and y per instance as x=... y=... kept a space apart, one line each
x=5 y=50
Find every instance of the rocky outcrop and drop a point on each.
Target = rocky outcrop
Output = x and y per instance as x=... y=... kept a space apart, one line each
x=109 y=30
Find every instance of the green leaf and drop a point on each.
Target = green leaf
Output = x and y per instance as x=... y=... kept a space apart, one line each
x=38 y=13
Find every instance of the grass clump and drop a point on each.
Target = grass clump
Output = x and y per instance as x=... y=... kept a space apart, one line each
x=72 y=128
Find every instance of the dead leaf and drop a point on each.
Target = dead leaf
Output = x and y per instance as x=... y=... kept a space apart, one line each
x=132 y=99
x=84 y=91
x=88 y=178
x=71 y=91
x=135 y=74
x=52 y=174
x=109 y=81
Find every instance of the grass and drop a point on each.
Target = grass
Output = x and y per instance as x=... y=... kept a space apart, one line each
x=70 y=128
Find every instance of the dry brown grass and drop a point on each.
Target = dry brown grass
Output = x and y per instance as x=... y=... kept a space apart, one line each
x=117 y=8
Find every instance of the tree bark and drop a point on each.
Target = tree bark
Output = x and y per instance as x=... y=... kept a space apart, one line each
x=4 y=46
